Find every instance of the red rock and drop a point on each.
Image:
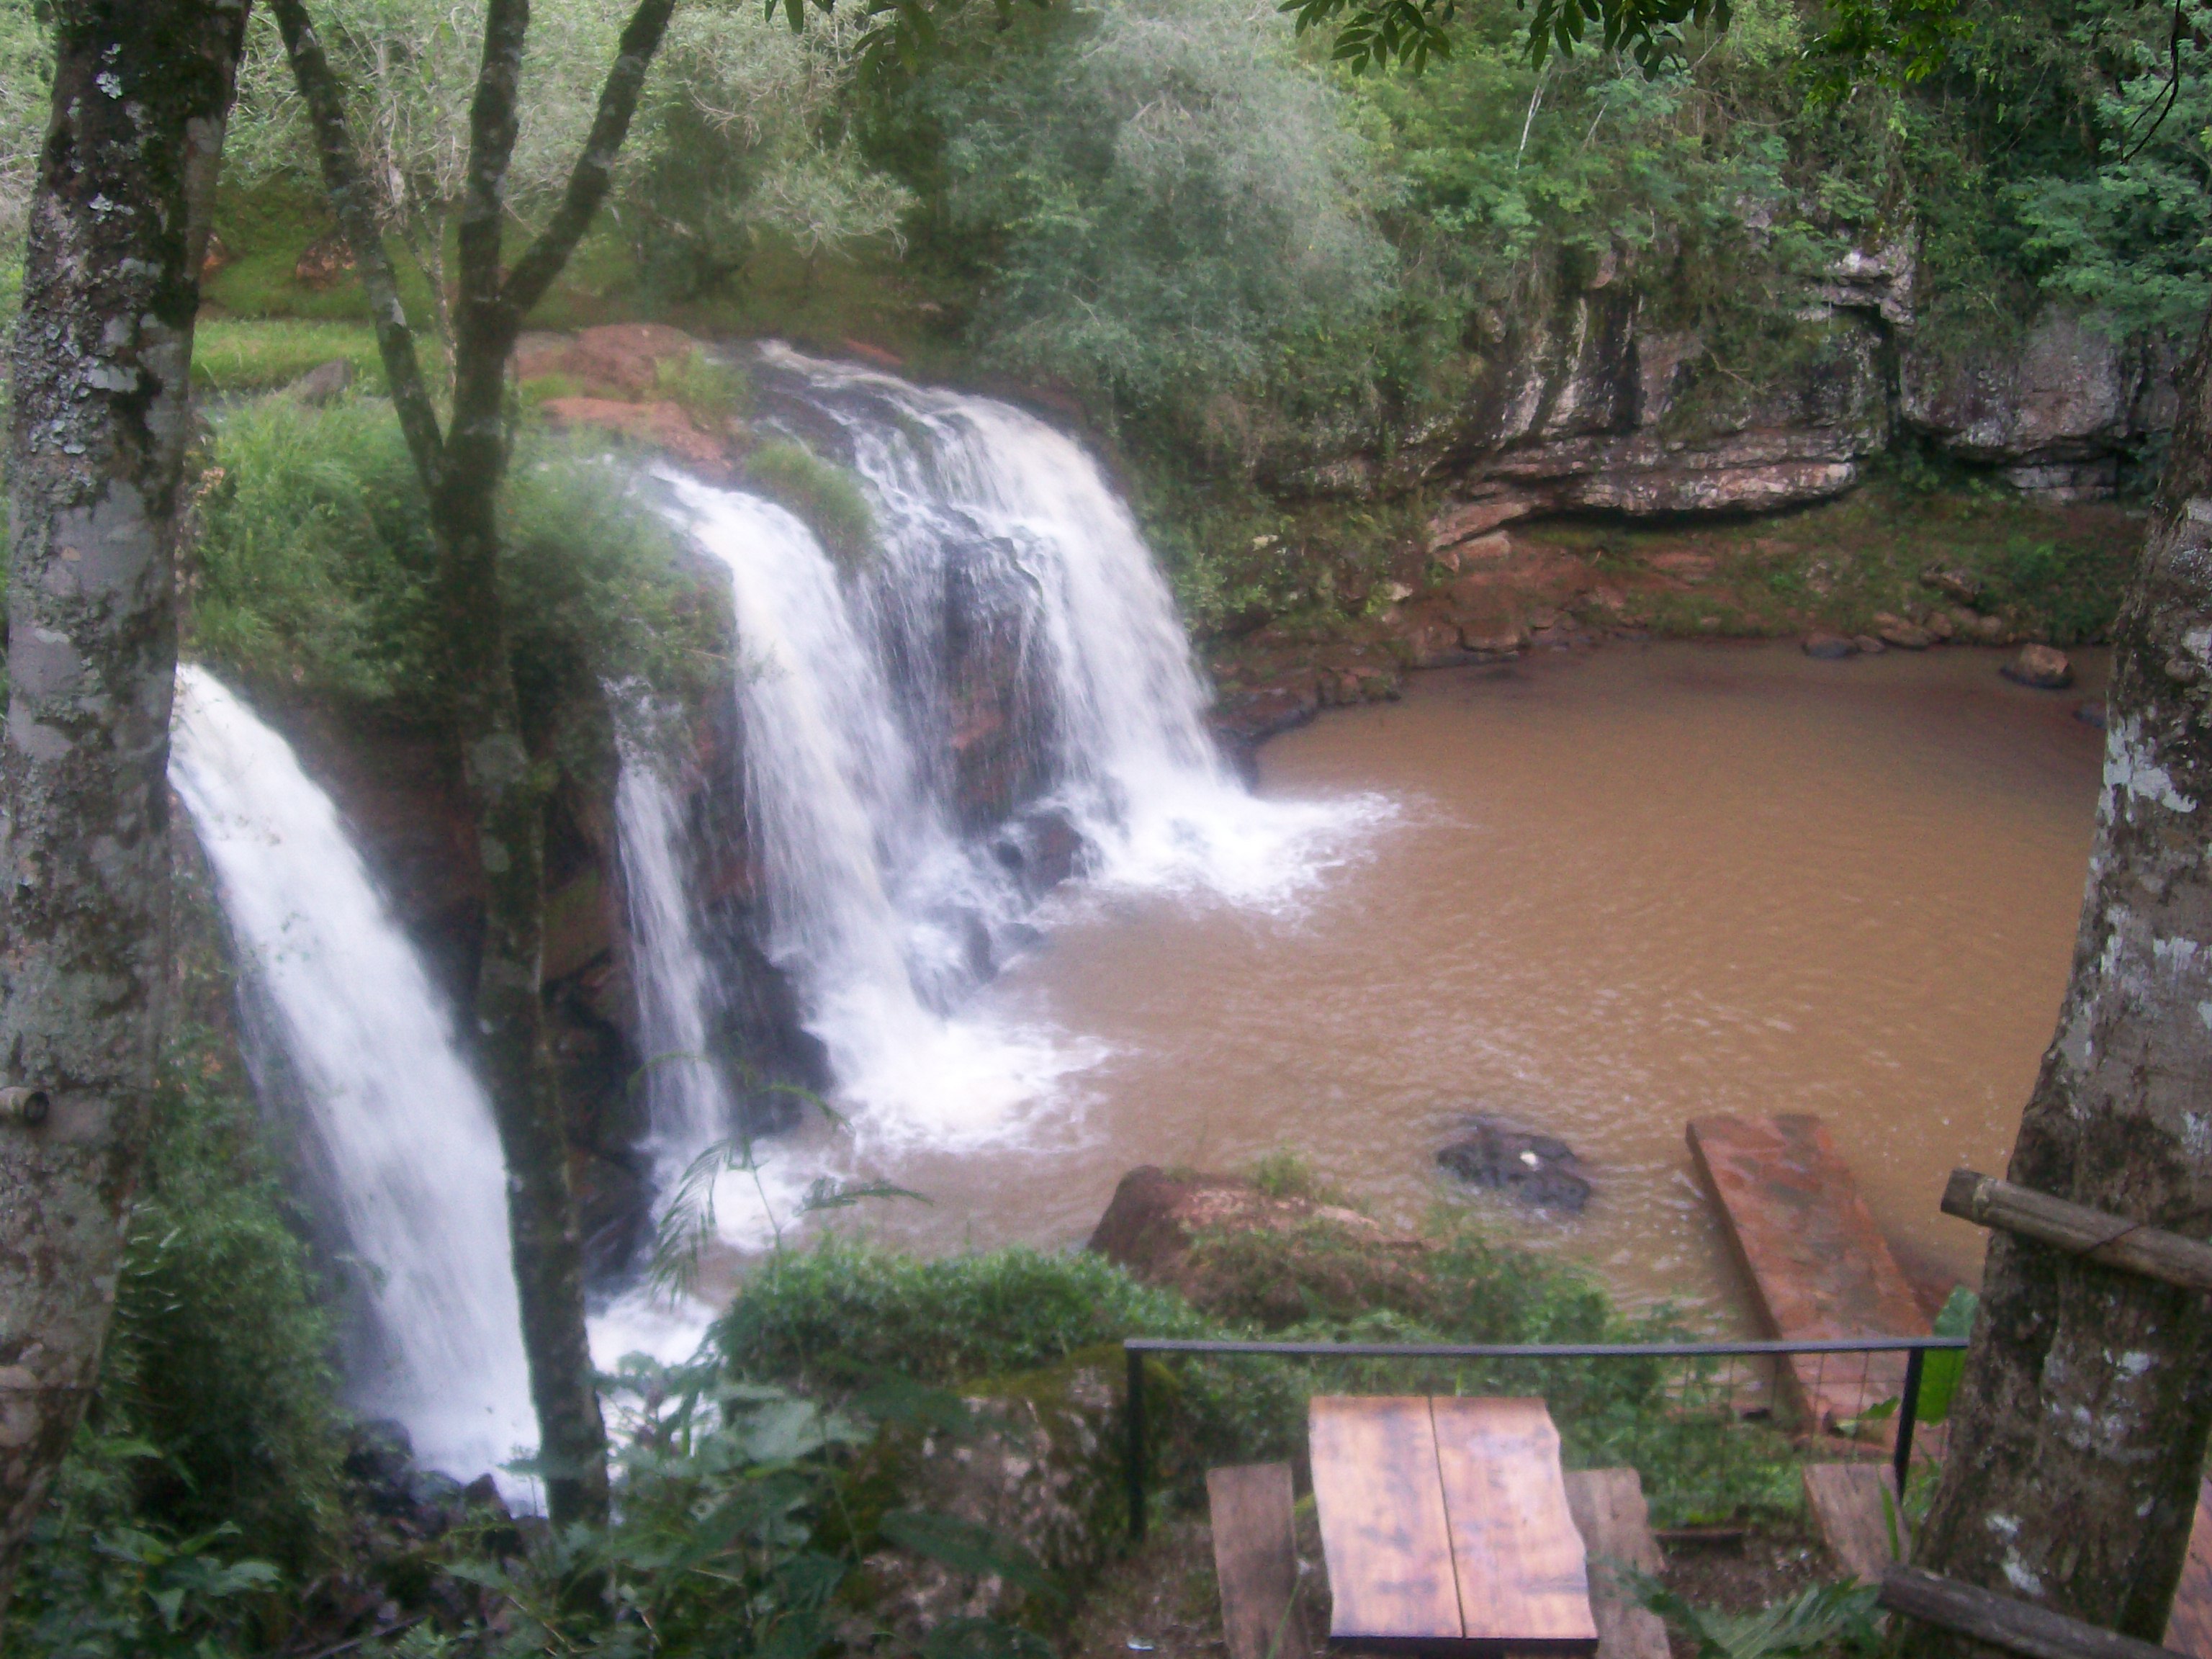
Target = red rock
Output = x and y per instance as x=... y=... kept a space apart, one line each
x=1458 y=523
x=625 y=357
x=2041 y=666
x=663 y=425
x=874 y=353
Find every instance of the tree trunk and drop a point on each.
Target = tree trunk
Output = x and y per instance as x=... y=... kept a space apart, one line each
x=2073 y=1471
x=111 y=285
x=509 y=810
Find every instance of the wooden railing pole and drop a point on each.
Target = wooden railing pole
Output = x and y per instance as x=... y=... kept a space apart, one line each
x=1135 y=1450
x=2110 y=1241
x=1908 y=1413
x=2017 y=1626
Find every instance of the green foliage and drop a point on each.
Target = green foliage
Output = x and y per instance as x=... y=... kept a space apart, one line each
x=821 y=495
x=731 y=1535
x=1941 y=1373
x=710 y=391
x=1822 y=1620
x=845 y=1310
x=1286 y=1173
x=315 y=569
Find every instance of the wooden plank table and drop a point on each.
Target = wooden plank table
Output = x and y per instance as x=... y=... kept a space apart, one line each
x=1445 y=1527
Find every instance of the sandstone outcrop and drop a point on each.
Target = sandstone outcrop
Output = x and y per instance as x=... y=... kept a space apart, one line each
x=2054 y=413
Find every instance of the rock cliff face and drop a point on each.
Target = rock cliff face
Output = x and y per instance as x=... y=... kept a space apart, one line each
x=1596 y=404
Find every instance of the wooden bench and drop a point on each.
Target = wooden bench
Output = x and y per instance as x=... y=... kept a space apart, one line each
x=1446 y=1528
x=1855 y=1506
x=1255 y=1559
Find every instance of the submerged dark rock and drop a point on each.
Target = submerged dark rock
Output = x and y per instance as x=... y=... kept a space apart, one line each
x=1539 y=1170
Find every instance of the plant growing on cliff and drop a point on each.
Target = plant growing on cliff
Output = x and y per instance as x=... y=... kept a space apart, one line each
x=821 y=495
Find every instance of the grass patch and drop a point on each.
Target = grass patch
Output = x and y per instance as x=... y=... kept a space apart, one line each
x=822 y=495
x=259 y=355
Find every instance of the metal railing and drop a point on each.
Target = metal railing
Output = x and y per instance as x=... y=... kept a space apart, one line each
x=1135 y=1349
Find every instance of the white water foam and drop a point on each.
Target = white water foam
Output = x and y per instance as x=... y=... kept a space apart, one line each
x=868 y=881
x=1136 y=767
x=402 y=1136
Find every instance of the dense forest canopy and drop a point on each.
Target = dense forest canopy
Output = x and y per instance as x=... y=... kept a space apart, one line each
x=1178 y=212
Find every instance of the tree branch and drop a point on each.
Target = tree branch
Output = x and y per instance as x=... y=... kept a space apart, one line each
x=356 y=208
x=483 y=330
x=594 y=171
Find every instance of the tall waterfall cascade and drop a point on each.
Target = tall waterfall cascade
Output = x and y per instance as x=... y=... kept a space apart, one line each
x=407 y=1171
x=883 y=905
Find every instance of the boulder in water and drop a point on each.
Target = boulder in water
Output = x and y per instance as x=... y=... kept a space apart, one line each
x=1539 y=1170
x=1828 y=648
x=2041 y=666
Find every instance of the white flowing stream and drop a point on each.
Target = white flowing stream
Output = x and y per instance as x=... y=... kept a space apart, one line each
x=407 y=1159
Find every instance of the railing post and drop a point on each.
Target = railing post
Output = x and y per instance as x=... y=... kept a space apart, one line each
x=1908 y=1413
x=1135 y=1451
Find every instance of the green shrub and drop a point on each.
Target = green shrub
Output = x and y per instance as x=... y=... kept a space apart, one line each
x=314 y=571
x=845 y=1310
x=711 y=392
x=823 y=496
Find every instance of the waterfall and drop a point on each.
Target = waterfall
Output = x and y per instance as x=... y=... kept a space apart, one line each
x=406 y=1157
x=960 y=478
x=1006 y=561
x=688 y=1104
x=871 y=889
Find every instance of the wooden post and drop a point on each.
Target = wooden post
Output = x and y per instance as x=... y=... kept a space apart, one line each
x=2018 y=1626
x=2108 y=1240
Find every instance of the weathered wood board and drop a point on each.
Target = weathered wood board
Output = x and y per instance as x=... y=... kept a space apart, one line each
x=1523 y=1580
x=2189 y=1627
x=1255 y=1558
x=1615 y=1523
x=1855 y=1506
x=1383 y=1534
x=1446 y=1528
x=1819 y=1265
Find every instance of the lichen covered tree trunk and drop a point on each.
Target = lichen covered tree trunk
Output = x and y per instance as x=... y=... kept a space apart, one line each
x=2076 y=1456
x=142 y=92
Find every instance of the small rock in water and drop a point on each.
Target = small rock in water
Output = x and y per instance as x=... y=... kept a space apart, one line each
x=2041 y=666
x=1828 y=648
x=1536 y=1169
x=1867 y=645
x=2091 y=714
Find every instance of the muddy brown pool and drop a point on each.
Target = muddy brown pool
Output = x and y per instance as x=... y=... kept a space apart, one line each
x=1621 y=889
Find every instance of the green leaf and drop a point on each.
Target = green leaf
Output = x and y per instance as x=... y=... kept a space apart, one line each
x=1940 y=1373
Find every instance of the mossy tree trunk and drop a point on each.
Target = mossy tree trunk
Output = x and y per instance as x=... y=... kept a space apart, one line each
x=103 y=348
x=2072 y=1475
x=463 y=467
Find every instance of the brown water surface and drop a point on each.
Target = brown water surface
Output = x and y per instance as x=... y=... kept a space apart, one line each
x=1623 y=890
